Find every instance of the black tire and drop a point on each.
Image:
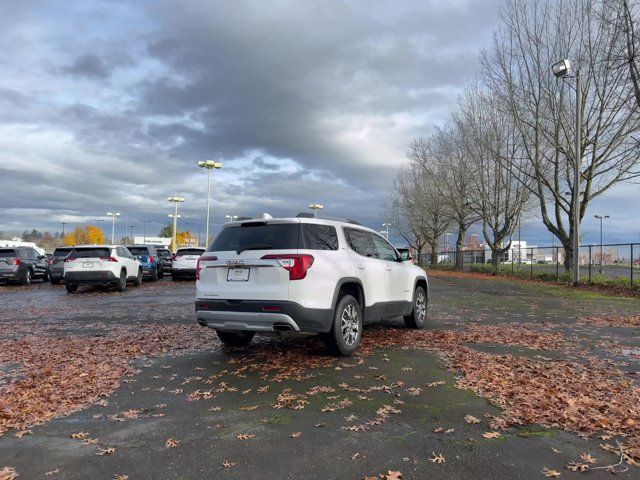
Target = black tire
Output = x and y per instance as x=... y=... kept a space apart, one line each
x=175 y=277
x=418 y=316
x=27 y=278
x=235 y=339
x=55 y=280
x=45 y=277
x=70 y=287
x=138 y=281
x=160 y=273
x=346 y=331
x=154 y=275
x=121 y=286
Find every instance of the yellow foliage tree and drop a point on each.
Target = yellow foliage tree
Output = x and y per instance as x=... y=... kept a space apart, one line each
x=182 y=239
x=82 y=236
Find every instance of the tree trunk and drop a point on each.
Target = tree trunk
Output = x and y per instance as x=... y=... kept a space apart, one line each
x=434 y=253
x=568 y=257
x=462 y=232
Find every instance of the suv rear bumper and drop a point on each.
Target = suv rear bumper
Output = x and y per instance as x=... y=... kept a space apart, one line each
x=262 y=316
x=90 y=278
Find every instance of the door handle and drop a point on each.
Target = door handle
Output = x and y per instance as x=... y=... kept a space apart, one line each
x=388 y=269
x=360 y=267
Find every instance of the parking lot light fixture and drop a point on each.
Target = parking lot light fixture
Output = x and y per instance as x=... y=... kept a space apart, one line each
x=315 y=207
x=176 y=200
x=113 y=216
x=231 y=218
x=386 y=228
x=209 y=165
x=562 y=70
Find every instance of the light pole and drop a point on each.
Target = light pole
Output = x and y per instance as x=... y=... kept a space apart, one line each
x=113 y=216
x=176 y=200
x=315 y=207
x=231 y=218
x=63 y=225
x=601 y=218
x=209 y=165
x=386 y=228
x=562 y=69
x=131 y=234
x=144 y=227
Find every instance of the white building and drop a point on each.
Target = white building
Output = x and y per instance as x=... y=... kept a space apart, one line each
x=17 y=242
x=164 y=241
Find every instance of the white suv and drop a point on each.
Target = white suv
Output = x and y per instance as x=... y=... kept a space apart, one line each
x=305 y=275
x=101 y=265
x=185 y=261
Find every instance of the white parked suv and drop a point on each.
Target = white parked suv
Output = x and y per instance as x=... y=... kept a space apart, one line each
x=305 y=275
x=185 y=261
x=101 y=265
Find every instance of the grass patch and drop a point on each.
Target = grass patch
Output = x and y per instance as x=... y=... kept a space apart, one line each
x=537 y=433
x=279 y=419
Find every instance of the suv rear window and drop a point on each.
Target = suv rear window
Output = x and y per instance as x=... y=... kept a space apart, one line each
x=189 y=251
x=257 y=235
x=164 y=253
x=139 y=250
x=90 y=253
x=61 y=252
x=7 y=253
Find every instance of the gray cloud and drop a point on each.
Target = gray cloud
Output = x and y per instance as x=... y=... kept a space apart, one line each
x=301 y=101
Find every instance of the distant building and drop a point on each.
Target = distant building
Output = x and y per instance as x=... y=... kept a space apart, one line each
x=164 y=241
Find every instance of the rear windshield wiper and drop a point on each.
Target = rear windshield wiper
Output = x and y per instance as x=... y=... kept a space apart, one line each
x=255 y=246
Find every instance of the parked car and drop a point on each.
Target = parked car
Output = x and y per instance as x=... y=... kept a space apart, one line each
x=101 y=265
x=165 y=259
x=305 y=275
x=56 y=264
x=184 y=262
x=149 y=260
x=23 y=265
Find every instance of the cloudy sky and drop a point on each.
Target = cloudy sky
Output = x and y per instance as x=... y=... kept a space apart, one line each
x=109 y=106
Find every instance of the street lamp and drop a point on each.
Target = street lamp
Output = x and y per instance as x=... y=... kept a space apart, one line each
x=315 y=207
x=562 y=70
x=386 y=225
x=113 y=216
x=601 y=218
x=144 y=226
x=131 y=234
x=176 y=200
x=209 y=165
x=231 y=218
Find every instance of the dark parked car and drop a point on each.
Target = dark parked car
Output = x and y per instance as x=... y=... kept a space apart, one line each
x=165 y=259
x=149 y=260
x=22 y=264
x=56 y=264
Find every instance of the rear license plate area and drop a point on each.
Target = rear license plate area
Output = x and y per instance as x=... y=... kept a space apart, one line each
x=238 y=274
x=87 y=264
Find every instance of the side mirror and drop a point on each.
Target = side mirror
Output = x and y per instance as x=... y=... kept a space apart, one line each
x=406 y=257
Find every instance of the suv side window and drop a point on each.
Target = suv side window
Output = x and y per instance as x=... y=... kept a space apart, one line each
x=384 y=249
x=360 y=242
x=120 y=252
x=319 y=237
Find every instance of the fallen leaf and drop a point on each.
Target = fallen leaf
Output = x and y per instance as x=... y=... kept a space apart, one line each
x=491 y=435
x=471 y=419
x=577 y=467
x=52 y=472
x=550 y=473
x=586 y=457
x=296 y=434
x=106 y=451
x=22 y=433
x=8 y=473
x=245 y=436
x=437 y=458
x=228 y=464
x=355 y=455
x=171 y=443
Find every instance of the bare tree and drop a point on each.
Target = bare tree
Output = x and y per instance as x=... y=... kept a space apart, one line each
x=499 y=192
x=534 y=35
x=443 y=157
x=420 y=213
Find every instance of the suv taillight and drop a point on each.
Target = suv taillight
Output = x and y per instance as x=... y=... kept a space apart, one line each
x=296 y=264
x=173 y=257
x=151 y=259
x=203 y=259
x=16 y=261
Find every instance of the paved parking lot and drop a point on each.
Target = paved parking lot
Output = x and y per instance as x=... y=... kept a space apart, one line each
x=127 y=385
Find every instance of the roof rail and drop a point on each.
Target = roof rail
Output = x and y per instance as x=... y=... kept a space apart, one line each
x=326 y=217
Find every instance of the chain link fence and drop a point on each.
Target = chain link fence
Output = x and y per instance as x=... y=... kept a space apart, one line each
x=616 y=264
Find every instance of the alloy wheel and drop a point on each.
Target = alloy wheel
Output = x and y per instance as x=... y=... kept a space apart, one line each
x=350 y=325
